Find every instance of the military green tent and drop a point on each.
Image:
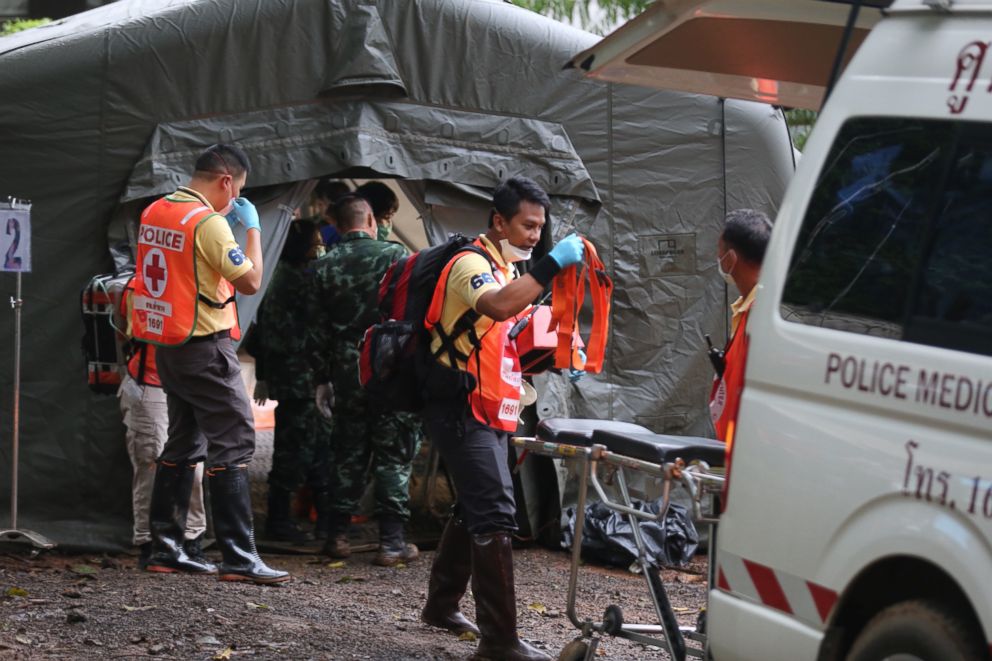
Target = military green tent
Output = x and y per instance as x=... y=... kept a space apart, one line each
x=107 y=109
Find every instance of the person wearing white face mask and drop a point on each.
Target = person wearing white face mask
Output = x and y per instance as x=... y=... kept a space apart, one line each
x=740 y=252
x=473 y=308
x=189 y=266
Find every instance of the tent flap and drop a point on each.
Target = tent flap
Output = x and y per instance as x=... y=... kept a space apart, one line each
x=392 y=138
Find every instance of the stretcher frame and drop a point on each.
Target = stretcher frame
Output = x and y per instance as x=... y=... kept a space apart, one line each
x=701 y=482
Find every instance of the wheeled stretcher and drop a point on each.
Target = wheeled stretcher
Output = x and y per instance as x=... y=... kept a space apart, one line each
x=605 y=453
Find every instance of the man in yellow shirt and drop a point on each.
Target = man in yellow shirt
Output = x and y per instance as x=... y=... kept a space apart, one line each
x=740 y=252
x=474 y=306
x=191 y=317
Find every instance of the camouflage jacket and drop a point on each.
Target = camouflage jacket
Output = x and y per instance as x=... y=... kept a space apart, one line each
x=278 y=341
x=343 y=303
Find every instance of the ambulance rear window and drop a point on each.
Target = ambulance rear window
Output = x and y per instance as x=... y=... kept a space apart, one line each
x=897 y=238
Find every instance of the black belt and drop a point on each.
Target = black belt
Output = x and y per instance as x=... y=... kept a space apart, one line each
x=219 y=335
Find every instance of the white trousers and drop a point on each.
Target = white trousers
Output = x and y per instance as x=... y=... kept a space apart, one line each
x=146 y=417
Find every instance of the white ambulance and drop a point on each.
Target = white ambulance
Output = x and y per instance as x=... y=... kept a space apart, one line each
x=858 y=521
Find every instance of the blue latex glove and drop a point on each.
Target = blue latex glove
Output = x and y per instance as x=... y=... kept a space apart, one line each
x=569 y=251
x=244 y=212
x=573 y=374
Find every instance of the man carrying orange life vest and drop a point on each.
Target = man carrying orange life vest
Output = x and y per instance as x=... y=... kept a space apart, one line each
x=188 y=267
x=740 y=252
x=473 y=404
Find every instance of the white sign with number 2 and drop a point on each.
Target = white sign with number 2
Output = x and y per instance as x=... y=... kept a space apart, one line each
x=15 y=240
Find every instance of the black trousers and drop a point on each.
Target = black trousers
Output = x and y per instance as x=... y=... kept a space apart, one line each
x=476 y=458
x=210 y=417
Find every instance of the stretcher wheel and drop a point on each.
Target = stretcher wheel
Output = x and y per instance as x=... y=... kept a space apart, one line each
x=574 y=651
x=613 y=620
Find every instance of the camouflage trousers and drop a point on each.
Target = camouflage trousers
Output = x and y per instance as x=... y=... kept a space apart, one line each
x=367 y=443
x=301 y=446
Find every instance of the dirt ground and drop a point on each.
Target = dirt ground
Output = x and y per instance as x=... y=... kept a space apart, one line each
x=56 y=606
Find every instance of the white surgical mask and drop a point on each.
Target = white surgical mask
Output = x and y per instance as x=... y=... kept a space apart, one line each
x=726 y=275
x=511 y=253
x=226 y=210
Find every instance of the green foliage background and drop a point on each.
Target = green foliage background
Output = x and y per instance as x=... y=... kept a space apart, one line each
x=16 y=25
x=577 y=11
x=616 y=12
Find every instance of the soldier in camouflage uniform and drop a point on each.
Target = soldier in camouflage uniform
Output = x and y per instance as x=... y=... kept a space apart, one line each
x=343 y=305
x=302 y=437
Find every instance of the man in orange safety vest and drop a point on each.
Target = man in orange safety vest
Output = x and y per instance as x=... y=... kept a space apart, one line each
x=188 y=268
x=740 y=252
x=473 y=405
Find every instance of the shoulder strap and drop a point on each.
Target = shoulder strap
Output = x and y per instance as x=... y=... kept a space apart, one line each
x=464 y=324
x=433 y=315
x=215 y=305
x=567 y=297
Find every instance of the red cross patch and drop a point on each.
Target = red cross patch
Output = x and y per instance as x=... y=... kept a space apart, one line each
x=154 y=272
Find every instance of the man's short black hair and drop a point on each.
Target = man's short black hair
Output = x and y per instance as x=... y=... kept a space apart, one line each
x=349 y=211
x=509 y=194
x=223 y=159
x=380 y=197
x=747 y=232
x=299 y=241
x=330 y=189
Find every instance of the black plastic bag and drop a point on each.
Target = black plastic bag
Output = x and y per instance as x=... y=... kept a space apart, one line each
x=608 y=538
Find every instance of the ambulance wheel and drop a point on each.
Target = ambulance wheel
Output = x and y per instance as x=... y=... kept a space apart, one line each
x=574 y=651
x=914 y=630
x=613 y=619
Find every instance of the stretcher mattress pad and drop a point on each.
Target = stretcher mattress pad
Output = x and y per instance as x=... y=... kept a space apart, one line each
x=579 y=431
x=661 y=448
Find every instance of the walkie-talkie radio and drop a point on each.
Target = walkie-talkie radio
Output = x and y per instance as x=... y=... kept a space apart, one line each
x=717 y=357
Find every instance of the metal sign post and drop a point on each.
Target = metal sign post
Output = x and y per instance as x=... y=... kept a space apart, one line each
x=15 y=253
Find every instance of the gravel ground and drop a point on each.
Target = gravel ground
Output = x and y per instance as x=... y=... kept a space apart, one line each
x=56 y=606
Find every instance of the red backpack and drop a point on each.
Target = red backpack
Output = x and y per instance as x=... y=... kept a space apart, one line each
x=395 y=353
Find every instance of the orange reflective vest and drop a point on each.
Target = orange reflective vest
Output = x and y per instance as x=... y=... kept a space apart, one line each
x=493 y=361
x=726 y=393
x=141 y=364
x=166 y=289
x=568 y=293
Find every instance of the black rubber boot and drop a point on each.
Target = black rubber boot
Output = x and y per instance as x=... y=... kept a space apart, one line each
x=279 y=526
x=144 y=552
x=496 y=602
x=230 y=497
x=337 y=545
x=194 y=549
x=393 y=548
x=167 y=521
x=449 y=579
x=322 y=503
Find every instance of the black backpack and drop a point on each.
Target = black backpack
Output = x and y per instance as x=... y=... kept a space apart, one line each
x=395 y=366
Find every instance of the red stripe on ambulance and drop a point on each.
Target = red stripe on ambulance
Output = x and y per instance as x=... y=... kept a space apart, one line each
x=769 y=589
x=721 y=580
x=806 y=601
x=823 y=598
